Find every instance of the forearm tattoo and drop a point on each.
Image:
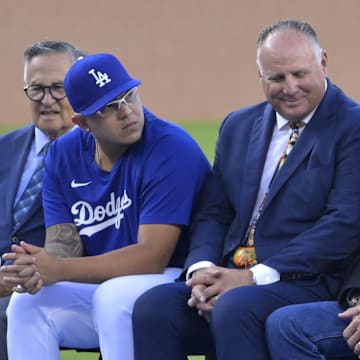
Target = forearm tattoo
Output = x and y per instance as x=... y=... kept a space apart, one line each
x=64 y=241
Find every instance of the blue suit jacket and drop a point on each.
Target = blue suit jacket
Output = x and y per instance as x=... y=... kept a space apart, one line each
x=14 y=149
x=311 y=220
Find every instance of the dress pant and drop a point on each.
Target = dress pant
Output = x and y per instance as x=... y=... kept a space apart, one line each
x=307 y=331
x=166 y=328
x=78 y=315
x=3 y=326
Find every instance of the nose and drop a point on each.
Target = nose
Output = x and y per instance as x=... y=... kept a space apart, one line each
x=290 y=85
x=124 y=110
x=47 y=99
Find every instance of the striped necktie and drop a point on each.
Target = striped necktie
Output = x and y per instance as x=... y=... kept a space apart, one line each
x=294 y=136
x=31 y=191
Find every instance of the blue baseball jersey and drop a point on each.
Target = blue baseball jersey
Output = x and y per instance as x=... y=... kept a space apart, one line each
x=156 y=181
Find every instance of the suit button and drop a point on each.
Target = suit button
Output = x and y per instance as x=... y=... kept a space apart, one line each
x=15 y=240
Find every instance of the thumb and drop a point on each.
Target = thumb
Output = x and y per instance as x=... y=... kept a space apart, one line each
x=350 y=312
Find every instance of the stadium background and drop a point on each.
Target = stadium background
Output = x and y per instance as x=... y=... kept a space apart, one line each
x=196 y=58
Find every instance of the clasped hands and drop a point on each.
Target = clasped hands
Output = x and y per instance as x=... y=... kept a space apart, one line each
x=208 y=284
x=352 y=331
x=22 y=274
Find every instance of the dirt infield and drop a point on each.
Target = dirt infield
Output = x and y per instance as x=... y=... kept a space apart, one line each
x=196 y=58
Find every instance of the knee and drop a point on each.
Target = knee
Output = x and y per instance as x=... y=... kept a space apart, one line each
x=283 y=323
x=278 y=322
x=145 y=308
x=102 y=296
x=234 y=306
x=112 y=300
x=22 y=308
x=17 y=304
x=159 y=304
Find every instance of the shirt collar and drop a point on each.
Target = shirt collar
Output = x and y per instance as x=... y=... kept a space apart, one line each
x=40 y=140
x=282 y=123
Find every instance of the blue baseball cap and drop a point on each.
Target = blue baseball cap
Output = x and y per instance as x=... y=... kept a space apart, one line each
x=95 y=80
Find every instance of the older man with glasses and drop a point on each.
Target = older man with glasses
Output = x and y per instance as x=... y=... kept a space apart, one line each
x=21 y=158
x=118 y=198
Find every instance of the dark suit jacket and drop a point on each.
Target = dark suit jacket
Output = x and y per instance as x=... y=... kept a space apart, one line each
x=14 y=149
x=311 y=221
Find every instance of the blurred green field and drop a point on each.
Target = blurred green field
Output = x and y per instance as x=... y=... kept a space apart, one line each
x=205 y=133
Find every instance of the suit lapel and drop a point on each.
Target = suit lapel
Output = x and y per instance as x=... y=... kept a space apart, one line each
x=260 y=138
x=310 y=135
x=21 y=147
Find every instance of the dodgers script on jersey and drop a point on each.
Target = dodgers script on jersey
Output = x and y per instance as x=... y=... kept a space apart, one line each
x=155 y=182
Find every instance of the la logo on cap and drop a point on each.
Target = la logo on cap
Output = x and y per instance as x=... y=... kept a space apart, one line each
x=101 y=78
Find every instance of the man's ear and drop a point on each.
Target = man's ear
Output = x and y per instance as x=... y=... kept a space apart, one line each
x=81 y=121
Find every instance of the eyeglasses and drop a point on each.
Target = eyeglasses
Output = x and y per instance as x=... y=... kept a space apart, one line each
x=37 y=92
x=114 y=106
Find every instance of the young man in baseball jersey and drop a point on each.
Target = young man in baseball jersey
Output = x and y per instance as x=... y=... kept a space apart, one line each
x=118 y=196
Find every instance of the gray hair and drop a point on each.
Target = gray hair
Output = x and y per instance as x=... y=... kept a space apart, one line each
x=288 y=24
x=51 y=47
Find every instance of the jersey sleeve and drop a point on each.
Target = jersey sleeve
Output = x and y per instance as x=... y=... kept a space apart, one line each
x=173 y=177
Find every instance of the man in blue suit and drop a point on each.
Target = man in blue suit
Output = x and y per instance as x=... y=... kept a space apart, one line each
x=265 y=235
x=45 y=66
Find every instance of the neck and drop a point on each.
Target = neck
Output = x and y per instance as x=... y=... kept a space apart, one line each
x=107 y=159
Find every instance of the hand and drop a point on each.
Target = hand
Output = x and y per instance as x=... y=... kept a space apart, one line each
x=210 y=283
x=199 y=281
x=6 y=289
x=352 y=331
x=47 y=265
x=21 y=276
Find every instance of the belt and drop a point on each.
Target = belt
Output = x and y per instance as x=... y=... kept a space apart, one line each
x=294 y=276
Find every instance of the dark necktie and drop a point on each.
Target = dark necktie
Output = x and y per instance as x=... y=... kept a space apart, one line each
x=245 y=256
x=31 y=191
